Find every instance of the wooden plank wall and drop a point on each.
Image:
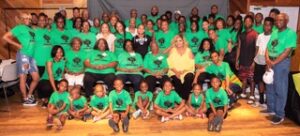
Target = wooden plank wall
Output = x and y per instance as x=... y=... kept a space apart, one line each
x=10 y=17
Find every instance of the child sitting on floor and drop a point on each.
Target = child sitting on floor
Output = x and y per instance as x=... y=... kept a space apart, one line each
x=142 y=101
x=58 y=105
x=196 y=104
x=99 y=103
x=79 y=108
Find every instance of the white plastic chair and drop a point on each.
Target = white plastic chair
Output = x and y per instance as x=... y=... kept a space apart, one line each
x=9 y=78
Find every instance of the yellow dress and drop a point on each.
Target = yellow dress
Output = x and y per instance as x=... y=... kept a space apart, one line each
x=180 y=63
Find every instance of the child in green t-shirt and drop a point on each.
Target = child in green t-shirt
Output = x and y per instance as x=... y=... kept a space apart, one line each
x=119 y=105
x=217 y=105
x=142 y=101
x=168 y=104
x=196 y=103
x=99 y=103
x=79 y=108
x=58 y=105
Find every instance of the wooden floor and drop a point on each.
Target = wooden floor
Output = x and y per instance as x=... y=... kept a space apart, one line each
x=243 y=120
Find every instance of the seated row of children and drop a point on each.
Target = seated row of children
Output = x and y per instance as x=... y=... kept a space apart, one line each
x=212 y=103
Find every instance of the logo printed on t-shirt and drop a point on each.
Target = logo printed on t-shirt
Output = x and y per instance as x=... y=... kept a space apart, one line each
x=87 y=42
x=195 y=40
x=65 y=38
x=47 y=39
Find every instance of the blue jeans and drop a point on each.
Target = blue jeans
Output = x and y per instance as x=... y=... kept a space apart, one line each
x=277 y=92
x=23 y=59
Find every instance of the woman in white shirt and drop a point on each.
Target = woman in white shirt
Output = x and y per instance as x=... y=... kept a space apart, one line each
x=107 y=35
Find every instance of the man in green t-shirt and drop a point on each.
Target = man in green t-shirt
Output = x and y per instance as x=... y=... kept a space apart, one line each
x=119 y=103
x=164 y=36
x=25 y=62
x=278 y=55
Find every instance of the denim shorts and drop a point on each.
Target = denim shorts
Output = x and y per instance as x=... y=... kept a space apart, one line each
x=24 y=59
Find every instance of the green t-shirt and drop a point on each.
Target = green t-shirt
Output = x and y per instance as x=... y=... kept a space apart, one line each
x=195 y=39
x=155 y=63
x=224 y=33
x=153 y=18
x=220 y=44
x=164 y=39
x=138 y=94
x=217 y=16
x=119 y=42
x=119 y=101
x=203 y=58
x=58 y=99
x=259 y=29
x=174 y=26
x=112 y=28
x=75 y=61
x=97 y=57
x=137 y=22
x=26 y=36
x=62 y=38
x=196 y=101
x=79 y=103
x=217 y=98
x=188 y=24
x=167 y=101
x=88 y=41
x=280 y=41
x=73 y=33
x=221 y=71
x=94 y=30
x=58 y=69
x=99 y=102
x=43 y=46
x=130 y=61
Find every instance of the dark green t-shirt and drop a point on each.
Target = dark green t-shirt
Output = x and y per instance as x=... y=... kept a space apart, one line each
x=26 y=36
x=130 y=61
x=280 y=41
x=195 y=39
x=99 y=102
x=203 y=58
x=42 y=47
x=88 y=41
x=58 y=99
x=167 y=101
x=217 y=98
x=164 y=39
x=97 y=57
x=120 y=101
x=79 y=103
x=155 y=63
x=58 y=69
x=221 y=71
x=119 y=42
x=75 y=61
x=220 y=44
x=62 y=38
x=138 y=94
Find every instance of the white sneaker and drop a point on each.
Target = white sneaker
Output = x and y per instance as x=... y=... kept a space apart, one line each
x=243 y=95
x=255 y=104
x=263 y=106
x=178 y=117
x=95 y=119
x=136 y=114
x=251 y=100
x=164 y=119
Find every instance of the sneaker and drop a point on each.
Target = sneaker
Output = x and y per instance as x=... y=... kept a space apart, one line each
x=113 y=125
x=44 y=105
x=30 y=101
x=180 y=117
x=218 y=121
x=267 y=112
x=210 y=126
x=136 y=114
x=255 y=104
x=96 y=118
x=243 y=95
x=263 y=106
x=277 y=120
x=125 y=125
x=49 y=122
x=164 y=119
x=251 y=100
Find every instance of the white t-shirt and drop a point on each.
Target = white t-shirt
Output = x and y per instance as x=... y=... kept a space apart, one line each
x=110 y=39
x=133 y=34
x=261 y=42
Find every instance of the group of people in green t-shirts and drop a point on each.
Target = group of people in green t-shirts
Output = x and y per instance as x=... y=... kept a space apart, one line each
x=103 y=56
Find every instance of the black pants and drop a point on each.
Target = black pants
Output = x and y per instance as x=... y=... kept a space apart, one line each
x=41 y=70
x=204 y=76
x=183 y=89
x=90 y=80
x=135 y=79
x=151 y=80
x=45 y=89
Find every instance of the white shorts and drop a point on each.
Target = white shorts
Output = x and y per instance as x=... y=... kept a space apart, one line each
x=75 y=80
